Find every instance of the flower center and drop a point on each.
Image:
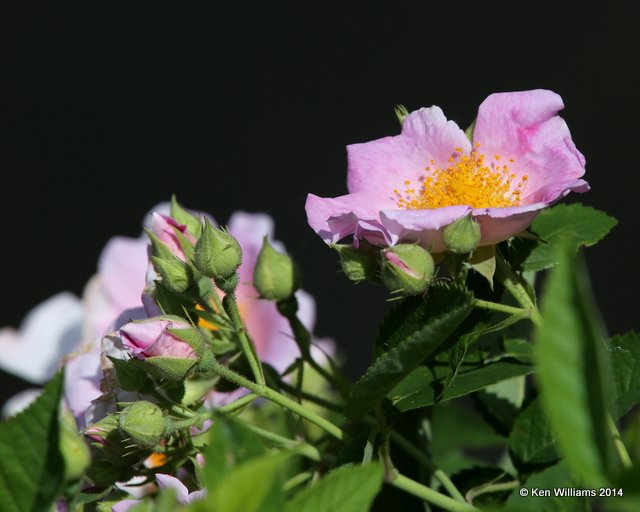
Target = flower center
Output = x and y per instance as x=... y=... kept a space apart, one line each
x=469 y=180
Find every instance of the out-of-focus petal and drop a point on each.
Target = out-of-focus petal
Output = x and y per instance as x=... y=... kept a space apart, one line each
x=49 y=331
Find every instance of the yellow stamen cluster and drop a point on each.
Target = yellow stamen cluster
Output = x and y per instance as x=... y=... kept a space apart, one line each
x=469 y=180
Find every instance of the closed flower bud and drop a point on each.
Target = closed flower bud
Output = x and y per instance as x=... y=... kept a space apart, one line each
x=217 y=254
x=407 y=269
x=276 y=275
x=462 y=236
x=74 y=451
x=357 y=264
x=144 y=422
x=176 y=275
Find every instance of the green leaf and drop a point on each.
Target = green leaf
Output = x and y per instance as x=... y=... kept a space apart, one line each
x=31 y=465
x=502 y=402
x=347 y=489
x=585 y=225
x=532 y=440
x=483 y=261
x=421 y=387
x=625 y=357
x=574 y=370
x=252 y=486
x=393 y=365
x=456 y=357
x=230 y=444
x=460 y=437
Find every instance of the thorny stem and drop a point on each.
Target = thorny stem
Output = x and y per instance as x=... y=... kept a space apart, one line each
x=237 y=405
x=231 y=308
x=272 y=395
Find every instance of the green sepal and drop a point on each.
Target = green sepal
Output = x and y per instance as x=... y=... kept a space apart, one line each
x=483 y=261
x=360 y=264
x=470 y=130
x=172 y=369
x=183 y=216
x=131 y=373
x=176 y=275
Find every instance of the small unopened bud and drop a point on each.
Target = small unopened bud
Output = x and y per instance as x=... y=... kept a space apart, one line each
x=357 y=264
x=462 y=236
x=276 y=276
x=176 y=274
x=75 y=451
x=407 y=269
x=144 y=422
x=217 y=253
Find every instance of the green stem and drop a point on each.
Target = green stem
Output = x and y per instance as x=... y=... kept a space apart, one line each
x=230 y=306
x=297 y=480
x=303 y=340
x=311 y=397
x=440 y=475
x=427 y=494
x=272 y=395
x=238 y=404
x=305 y=449
x=513 y=285
x=621 y=449
x=500 y=308
x=485 y=489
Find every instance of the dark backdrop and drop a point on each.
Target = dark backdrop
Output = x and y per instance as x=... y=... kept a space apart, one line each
x=110 y=109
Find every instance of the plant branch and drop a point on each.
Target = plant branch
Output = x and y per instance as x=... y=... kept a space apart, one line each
x=272 y=395
x=231 y=308
x=427 y=494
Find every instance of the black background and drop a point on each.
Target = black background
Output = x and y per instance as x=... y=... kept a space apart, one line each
x=109 y=109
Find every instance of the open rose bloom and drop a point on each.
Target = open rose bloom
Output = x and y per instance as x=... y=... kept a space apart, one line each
x=409 y=187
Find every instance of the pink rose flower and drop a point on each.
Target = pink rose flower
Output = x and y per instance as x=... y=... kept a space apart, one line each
x=409 y=187
x=166 y=229
x=152 y=337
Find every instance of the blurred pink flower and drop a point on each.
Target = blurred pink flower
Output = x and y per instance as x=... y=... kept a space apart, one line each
x=409 y=187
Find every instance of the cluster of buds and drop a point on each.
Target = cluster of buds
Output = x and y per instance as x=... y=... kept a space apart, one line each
x=406 y=268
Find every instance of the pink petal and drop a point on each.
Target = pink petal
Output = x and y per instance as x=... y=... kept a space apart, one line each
x=422 y=226
x=524 y=126
x=164 y=227
x=377 y=168
x=124 y=505
x=171 y=482
x=82 y=382
x=335 y=218
x=123 y=266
